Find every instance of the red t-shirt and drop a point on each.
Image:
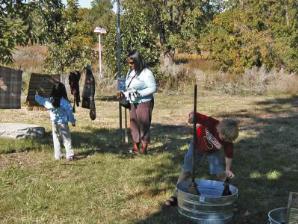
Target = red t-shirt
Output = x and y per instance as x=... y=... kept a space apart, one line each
x=207 y=127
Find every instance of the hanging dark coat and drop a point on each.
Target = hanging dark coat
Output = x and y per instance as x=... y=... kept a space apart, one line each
x=88 y=93
x=74 y=79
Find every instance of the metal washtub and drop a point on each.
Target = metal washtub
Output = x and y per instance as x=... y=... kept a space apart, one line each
x=277 y=216
x=210 y=207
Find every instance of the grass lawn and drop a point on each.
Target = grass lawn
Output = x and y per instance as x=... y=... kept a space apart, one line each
x=107 y=185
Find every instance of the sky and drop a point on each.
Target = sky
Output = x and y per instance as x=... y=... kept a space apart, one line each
x=83 y=3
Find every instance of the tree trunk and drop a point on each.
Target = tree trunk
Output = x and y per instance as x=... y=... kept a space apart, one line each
x=167 y=57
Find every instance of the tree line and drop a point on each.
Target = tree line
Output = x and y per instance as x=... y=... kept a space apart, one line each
x=236 y=34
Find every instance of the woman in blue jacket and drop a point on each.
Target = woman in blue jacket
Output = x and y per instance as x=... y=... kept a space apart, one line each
x=140 y=86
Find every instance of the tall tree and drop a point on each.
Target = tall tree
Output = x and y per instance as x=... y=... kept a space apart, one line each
x=179 y=23
x=16 y=27
x=254 y=33
x=73 y=48
x=50 y=12
x=161 y=27
x=101 y=14
x=136 y=33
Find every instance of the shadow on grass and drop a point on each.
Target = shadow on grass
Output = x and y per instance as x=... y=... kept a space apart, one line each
x=166 y=215
x=25 y=145
x=99 y=140
x=265 y=158
x=169 y=139
x=265 y=162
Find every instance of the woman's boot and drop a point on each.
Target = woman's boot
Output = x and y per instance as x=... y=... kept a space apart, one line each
x=135 y=148
x=144 y=148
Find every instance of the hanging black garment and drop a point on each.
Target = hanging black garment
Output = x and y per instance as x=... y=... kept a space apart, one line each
x=74 y=79
x=88 y=93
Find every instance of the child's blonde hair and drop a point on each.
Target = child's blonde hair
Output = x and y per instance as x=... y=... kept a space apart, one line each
x=229 y=130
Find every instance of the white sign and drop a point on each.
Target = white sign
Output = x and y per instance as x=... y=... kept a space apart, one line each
x=100 y=30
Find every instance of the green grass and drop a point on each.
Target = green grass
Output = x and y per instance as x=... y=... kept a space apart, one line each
x=106 y=185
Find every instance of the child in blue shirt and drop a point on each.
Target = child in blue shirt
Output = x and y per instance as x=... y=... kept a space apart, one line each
x=61 y=113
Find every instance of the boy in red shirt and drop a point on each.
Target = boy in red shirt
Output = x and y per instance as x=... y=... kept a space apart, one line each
x=213 y=137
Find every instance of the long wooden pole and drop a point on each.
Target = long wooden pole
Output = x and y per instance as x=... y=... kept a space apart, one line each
x=194 y=135
x=193 y=186
x=118 y=57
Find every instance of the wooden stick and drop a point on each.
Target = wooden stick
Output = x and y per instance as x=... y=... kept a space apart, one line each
x=194 y=134
x=193 y=187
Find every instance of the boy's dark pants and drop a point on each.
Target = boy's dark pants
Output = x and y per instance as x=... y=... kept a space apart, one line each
x=140 y=121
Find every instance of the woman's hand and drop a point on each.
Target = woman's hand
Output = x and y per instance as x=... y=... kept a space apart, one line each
x=120 y=95
x=134 y=95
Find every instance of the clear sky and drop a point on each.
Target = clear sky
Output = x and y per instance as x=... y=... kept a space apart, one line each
x=83 y=3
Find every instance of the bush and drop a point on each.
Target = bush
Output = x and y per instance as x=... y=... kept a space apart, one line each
x=254 y=81
x=175 y=77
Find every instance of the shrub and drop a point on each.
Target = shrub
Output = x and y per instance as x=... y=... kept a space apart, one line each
x=175 y=77
x=254 y=81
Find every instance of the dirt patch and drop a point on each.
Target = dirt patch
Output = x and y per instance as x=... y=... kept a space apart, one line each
x=25 y=159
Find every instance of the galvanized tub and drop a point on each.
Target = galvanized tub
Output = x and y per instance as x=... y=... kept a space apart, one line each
x=210 y=207
x=277 y=216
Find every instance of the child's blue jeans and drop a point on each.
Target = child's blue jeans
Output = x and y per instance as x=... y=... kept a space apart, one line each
x=215 y=160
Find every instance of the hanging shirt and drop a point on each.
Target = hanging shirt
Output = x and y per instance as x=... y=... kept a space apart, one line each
x=88 y=90
x=74 y=79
